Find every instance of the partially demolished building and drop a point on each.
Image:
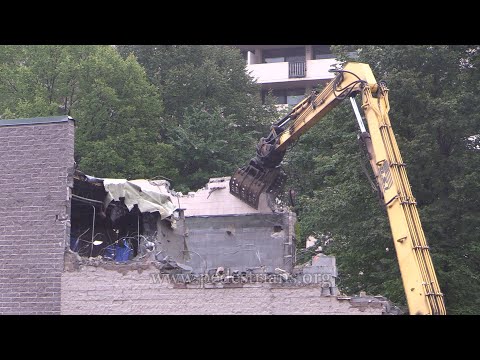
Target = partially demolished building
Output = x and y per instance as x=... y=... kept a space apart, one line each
x=120 y=220
x=76 y=244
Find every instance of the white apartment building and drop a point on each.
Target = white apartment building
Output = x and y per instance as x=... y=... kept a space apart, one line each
x=289 y=71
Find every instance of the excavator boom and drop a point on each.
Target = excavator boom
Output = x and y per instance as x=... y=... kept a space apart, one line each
x=264 y=174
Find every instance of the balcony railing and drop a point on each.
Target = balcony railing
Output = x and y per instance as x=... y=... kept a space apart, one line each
x=297 y=69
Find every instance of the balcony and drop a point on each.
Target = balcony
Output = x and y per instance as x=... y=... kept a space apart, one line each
x=297 y=69
x=282 y=71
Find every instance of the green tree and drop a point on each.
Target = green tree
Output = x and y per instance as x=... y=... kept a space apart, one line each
x=209 y=144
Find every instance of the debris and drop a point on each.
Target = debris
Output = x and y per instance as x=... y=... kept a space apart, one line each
x=212 y=189
x=229 y=279
x=283 y=274
x=168 y=264
x=220 y=271
x=311 y=241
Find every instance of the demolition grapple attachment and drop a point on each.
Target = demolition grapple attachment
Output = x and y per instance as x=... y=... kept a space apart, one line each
x=250 y=181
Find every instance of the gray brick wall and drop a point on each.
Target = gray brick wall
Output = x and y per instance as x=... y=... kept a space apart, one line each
x=35 y=161
x=96 y=290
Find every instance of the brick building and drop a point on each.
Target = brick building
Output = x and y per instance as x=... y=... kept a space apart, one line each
x=36 y=164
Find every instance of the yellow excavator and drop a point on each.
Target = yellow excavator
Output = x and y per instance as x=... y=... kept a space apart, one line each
x=264 y=174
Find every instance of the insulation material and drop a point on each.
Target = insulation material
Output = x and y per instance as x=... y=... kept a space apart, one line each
x=149 y=195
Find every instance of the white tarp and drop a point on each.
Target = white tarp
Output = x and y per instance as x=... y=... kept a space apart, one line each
x=149 y=195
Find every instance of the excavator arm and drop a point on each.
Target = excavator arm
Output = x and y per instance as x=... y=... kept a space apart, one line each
x=264 y=174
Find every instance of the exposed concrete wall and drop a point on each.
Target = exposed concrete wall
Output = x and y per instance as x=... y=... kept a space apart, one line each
x=36 y=164
x=241 y=242
x=96 y=290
